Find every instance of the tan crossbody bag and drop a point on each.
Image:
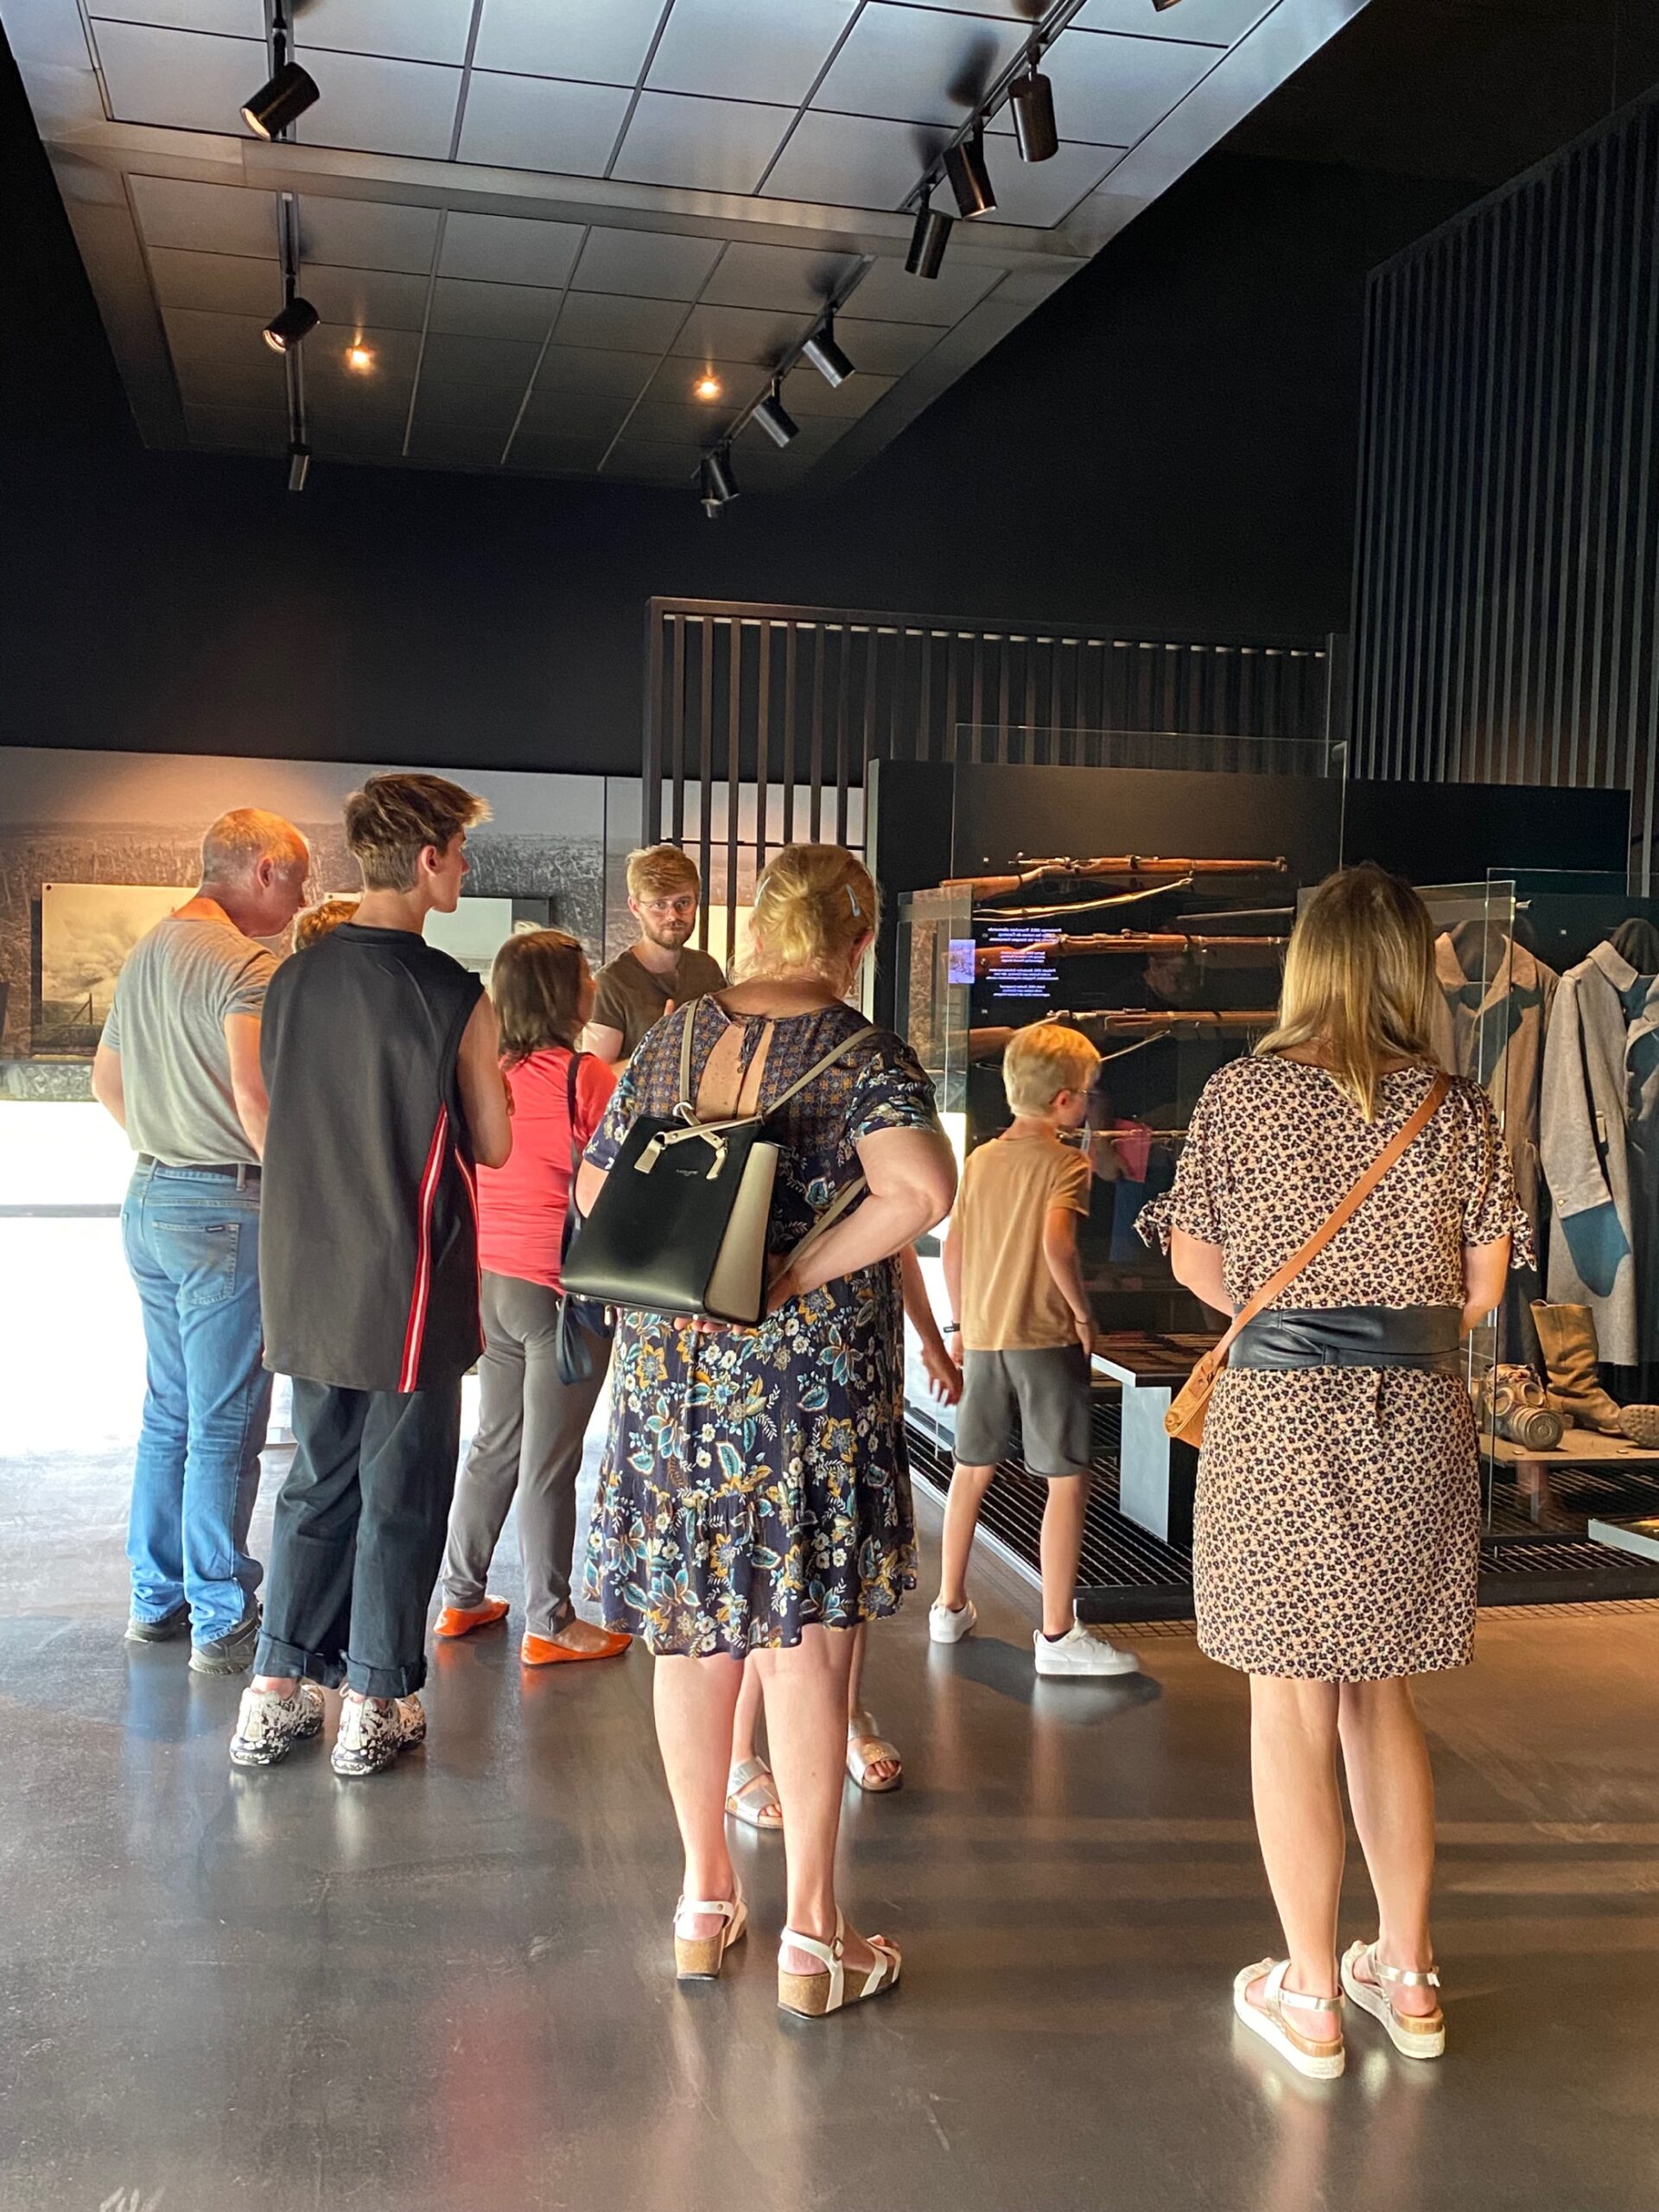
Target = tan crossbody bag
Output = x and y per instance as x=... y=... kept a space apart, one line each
x=1185 y=1419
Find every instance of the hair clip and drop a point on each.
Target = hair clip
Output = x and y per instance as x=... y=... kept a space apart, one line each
x=852 y=901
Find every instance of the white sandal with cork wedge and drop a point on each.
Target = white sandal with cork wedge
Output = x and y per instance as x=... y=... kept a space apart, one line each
x=1418 y=2035
x=1321 y=2058
x=700 y=1958
x=815 y=1996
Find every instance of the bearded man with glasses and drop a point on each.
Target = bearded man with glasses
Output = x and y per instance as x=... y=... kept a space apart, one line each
x=662 y=970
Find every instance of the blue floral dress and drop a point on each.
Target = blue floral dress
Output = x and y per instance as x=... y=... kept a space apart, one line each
x=755 y=1481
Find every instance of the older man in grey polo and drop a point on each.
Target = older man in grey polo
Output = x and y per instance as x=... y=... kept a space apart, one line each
x=178 y=1066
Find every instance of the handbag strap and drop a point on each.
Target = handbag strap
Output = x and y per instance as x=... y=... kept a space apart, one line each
x=567 y=1236
x=1304 y=1254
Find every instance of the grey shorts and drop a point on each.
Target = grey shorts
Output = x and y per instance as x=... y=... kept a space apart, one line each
x=1049 y=1390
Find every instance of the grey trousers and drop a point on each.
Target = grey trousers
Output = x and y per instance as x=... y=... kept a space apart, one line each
x=530 y=1427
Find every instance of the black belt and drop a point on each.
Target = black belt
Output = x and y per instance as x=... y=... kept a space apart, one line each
x=241 y=1175
x=1428 y=1337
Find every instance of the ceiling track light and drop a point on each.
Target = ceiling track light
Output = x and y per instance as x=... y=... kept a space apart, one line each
x=775 y=418
x=928 y=239
x=1032 y=99
x=1161 y=4
x=717 y=481
x=282 y=102
x=299 y=466
x=969 y=179
x=826 y=357
x=295 y=323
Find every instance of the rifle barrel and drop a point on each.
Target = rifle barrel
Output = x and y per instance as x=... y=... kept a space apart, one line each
x=1089 y=871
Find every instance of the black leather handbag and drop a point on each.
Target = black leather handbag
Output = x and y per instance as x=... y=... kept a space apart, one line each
x=682 y=1226
x=583 y=1348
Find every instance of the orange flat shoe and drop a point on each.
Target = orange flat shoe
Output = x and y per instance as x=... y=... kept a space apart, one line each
x=543 y=1651
x=461 y=1620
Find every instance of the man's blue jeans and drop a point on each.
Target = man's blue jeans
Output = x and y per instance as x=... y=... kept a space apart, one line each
x=192 y=1242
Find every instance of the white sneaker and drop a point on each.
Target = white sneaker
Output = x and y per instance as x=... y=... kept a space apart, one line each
x=269 y=1727
x=945 y=1627
x=372 y=1732
x=1082 y=1651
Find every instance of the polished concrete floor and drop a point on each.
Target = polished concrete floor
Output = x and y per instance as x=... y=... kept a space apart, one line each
x=450 y=1988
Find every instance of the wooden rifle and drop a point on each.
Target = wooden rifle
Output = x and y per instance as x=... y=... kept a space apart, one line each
x=1131 y=867
x=990 y=1044
x=988 y=958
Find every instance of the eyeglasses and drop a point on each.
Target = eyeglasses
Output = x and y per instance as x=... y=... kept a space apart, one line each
x=664 y=907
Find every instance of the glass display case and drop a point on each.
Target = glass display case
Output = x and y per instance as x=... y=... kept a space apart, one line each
x=1550 y=997
x=1170 y=969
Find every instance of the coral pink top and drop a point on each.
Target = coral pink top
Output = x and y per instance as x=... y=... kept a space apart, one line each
x=521 y=1207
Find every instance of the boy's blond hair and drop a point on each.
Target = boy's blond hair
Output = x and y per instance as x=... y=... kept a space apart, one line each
x=1044 y=1060
x=658 y=871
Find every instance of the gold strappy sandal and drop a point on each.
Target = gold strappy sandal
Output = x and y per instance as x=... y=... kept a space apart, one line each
x=752 y=1797
x=867 y=1747
x=1321 y=2058
x=1417 y=2035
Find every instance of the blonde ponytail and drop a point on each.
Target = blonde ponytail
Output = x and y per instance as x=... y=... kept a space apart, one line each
x=811 y=906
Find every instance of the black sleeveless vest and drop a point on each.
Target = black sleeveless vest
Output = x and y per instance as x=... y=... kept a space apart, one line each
x=368 y=1229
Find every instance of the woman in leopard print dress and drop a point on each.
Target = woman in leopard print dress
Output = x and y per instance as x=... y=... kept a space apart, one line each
x=1336 y=1529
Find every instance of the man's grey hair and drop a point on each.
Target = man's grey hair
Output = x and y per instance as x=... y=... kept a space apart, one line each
x=238 y=841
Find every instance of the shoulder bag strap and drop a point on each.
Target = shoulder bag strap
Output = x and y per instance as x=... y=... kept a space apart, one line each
x=569 y=1237
x=854 y=1188
x=1305 y=1254
x=818 y=1066
x=571 y=1074
x=687 y=1021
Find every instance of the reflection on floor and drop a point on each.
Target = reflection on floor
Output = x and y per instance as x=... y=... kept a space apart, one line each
x=449 y=1989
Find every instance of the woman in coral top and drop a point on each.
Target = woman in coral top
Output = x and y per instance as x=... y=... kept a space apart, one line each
x=531 y=1424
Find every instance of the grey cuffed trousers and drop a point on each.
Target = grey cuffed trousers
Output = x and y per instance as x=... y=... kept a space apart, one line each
x=531 y=1428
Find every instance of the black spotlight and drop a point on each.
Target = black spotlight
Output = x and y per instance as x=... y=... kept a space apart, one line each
x=826 y=357
x=1161 y=4
x=280 y=102
x=299 y=466
x=775 y=418
x=718 y=485
x=964 y=164
x=1032 y=101
x=298 y=321
x=928 y=240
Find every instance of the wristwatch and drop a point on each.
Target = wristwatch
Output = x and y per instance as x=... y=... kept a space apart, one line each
x=950 y=1329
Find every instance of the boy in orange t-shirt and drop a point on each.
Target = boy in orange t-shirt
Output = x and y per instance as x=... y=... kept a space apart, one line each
x=1025 y=1332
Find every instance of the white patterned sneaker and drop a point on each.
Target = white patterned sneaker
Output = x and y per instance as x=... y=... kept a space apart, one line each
x=944 y=1626
x=269 y=1727
x=372 y=1732
x=1082 y=1651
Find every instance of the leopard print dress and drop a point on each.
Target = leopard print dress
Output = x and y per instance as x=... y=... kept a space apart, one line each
x=1336 y=1528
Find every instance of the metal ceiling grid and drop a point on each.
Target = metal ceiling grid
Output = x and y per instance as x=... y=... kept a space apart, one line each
x=547 y=219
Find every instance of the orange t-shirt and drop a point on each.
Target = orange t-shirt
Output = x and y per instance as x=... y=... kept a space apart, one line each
x=1010 y=1302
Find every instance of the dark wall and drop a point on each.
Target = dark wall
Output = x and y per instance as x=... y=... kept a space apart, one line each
x=1508 y=597
x=1168 y=446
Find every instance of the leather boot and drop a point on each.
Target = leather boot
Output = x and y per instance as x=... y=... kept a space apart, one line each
x=1568 y=1334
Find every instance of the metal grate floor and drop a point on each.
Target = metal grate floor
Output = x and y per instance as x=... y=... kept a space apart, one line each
x=1534 y=1552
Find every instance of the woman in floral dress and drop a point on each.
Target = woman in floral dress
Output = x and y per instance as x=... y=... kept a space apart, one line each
x=754 y=1497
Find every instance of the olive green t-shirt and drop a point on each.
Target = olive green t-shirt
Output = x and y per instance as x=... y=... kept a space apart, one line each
x=628 y=997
